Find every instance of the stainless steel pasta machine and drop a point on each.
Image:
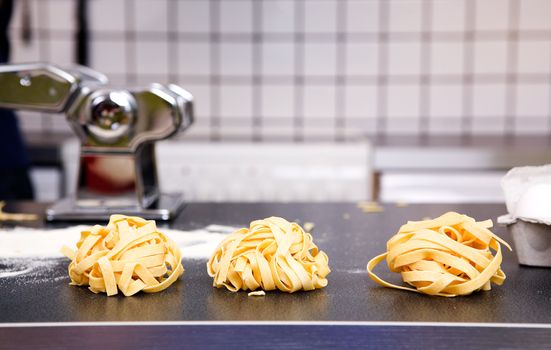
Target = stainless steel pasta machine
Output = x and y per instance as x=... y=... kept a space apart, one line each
x=117 y=129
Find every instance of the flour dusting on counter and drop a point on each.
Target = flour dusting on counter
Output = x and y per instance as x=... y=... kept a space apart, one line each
x=13 y=267
x=23 y=242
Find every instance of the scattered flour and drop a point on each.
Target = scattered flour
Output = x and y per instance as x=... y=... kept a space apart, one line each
x=35 y=253
x=199 y=244
x=26 y=242
x=15 y=270
x=37 y=268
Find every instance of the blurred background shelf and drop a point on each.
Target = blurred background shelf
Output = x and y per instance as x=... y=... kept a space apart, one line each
x=392 y=169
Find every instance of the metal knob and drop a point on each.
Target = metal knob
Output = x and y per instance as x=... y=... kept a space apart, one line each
x=112 y=114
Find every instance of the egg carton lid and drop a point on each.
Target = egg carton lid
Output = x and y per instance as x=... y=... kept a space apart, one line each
x=508 y=219
x=527 y=194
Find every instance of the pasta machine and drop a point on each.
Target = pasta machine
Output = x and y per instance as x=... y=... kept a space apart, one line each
x=117 y=129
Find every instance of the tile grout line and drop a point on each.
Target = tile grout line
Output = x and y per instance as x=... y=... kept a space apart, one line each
x=298 y=120
x=425 y=69
x=215 y=65
x=173 y=9
x=468 y=67
x=382 y=65
x=257 y=81
x=340 y=69
x=512 y=68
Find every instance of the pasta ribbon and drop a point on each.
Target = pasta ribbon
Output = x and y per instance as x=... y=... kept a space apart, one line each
x=447 y=256
x=272 y=253
x=15 y=216
x=129 y=255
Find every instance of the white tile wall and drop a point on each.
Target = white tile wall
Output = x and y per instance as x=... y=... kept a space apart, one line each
x=320 y=16
x=362 y=16
x=446 y=58
x=444 y=126
x=61 y=9
x=202 y=99
x=533 y=100
x=404 y=58
x=234 y=101
x=24 y=52
x=236 y=58
x=490 y=58
x=278 y=58
x=278 y=132
x=320 y=59
x=360 y=102
x=58 y=52
x=532 y=126
x=319 y=130
x=405 y=16
x=152 y=57
x=361 y=59
x=277 y=101
x=483 y=94
x=448 y=16
x=491 y=15
x=151 y=16
x=533 y=57
x=145 y=80
x=313 y=57
x=319 y=101
x=118 y=80
x=403 y=101
x=194 y=16
x=194 y=58
x=488 y=125
x=403 y=126
x=446 y=101
x=109 y=57
x=534 y=15
x=200 y=128
x=278 y=16
x=236 y=16
x=105 y=15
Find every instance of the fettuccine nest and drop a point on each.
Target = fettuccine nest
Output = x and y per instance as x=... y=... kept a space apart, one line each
x=271 y=253
x=447 y=256
x=129 y=255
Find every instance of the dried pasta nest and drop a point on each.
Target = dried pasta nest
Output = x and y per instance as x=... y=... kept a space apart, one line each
x=446 y=256
x=129 y=255
x=271 y=254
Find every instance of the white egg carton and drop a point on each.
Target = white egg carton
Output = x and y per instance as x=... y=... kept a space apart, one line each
x=528 y=198
x=532 y=243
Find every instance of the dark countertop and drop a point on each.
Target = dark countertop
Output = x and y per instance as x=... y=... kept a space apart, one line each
x=525 y=297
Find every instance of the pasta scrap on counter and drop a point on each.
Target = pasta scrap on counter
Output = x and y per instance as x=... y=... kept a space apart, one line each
x=15 y=216
x=447 y=256
x=271 y=254
x=370 y=207
x=129 y=255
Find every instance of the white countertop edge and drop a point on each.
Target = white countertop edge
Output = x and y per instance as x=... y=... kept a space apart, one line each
x=276 y=323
